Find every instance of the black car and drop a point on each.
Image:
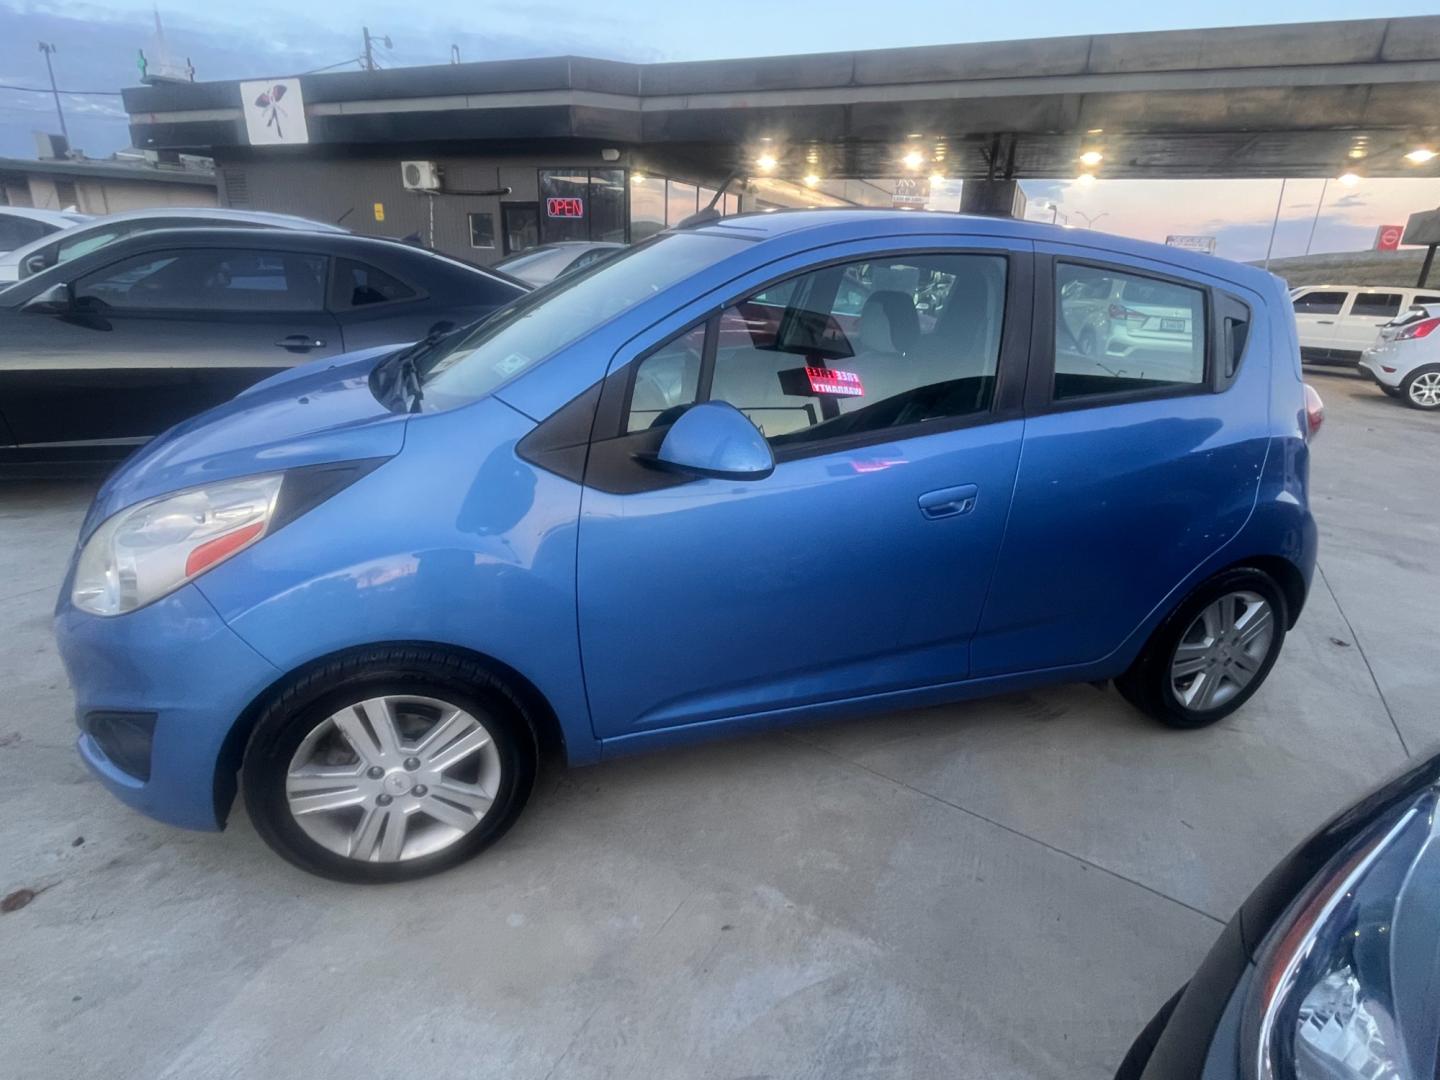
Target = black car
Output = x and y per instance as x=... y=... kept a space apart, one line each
x=101 y=353
x=1331 y=969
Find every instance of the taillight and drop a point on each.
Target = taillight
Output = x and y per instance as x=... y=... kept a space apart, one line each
x=1314 y=412
x=1120 y=311
x=1417 y=329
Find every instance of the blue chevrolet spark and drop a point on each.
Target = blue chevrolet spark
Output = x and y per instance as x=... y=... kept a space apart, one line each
x=765 y=469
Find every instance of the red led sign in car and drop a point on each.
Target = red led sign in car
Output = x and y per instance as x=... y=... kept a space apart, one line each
x=565 y=208
x=828 y=381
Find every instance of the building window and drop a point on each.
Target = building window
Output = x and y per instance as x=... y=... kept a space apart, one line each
x=679 y=202
x=647 y=206
x=582 y=204
x=482 y=229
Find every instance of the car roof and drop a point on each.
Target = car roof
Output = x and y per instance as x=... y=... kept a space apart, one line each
x=766 y=224
x=217 y=213
x=333 y=243
x=54 y=217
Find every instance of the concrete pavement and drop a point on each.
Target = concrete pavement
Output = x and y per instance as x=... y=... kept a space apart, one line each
x=1002 y=889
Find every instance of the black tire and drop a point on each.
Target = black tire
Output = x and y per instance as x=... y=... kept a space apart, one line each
x=1143 y=1048
x=367 y=673
x=1405 y=387
x=1147 y=684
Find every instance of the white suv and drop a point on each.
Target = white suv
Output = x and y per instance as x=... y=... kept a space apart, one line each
x=1405 y=362
x=1337 y=323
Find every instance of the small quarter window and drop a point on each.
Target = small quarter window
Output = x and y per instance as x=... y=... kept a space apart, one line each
x=1117 y=332
x=361 y=285
x=666 y=381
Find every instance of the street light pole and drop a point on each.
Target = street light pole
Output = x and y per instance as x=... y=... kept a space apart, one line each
x=47 y=49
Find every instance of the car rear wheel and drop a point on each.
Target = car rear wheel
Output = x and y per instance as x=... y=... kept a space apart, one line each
x=388 y=765
x=1422 y=388
x=1212 y=653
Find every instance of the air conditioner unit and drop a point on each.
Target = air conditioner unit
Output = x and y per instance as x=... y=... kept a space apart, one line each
x=420 y=175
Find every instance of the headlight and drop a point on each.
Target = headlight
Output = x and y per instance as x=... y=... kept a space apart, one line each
x=1346 y=983
x=152 y=548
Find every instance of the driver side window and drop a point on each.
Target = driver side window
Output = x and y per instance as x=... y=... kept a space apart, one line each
x=201 y=280
x=850 y=348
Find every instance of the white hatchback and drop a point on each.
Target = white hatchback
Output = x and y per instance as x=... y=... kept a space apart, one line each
x=1405 y=362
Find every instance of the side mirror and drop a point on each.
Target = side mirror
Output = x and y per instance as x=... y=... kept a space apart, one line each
x=56 y=300
x=35 y=263
x=716 y=440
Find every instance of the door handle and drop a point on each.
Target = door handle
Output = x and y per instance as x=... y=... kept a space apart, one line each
x=1324 y=322
x=949 y=502
x=300 y=343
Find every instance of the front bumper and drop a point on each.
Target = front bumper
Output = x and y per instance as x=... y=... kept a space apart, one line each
x=176 y=661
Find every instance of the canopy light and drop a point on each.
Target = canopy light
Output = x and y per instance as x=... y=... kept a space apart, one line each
x=1420 y=155
x=1091 y=157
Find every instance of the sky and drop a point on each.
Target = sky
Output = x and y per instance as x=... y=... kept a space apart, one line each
x=96 y=50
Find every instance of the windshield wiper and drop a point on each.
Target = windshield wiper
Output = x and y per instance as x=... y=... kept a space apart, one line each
x=407 y=375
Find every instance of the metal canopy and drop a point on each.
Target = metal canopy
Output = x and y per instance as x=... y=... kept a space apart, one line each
x=1295 y=100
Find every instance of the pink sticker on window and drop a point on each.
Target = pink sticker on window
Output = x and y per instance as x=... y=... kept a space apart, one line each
x=829 y=381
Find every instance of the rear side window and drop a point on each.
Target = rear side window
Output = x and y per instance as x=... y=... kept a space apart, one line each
x=360 y=285
x=1376 y=305
x=1319 y=303
x=1118 y=332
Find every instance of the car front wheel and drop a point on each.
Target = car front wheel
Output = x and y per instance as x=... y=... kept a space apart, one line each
x=1212 y=653
x=388 y=765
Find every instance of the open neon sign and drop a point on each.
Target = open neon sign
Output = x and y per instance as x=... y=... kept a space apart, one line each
x=565 y=208
x=829 y=381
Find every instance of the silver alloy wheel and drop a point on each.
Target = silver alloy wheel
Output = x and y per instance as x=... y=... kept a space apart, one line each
x=393 y=778
x=1222 y=651
x=1425 y=390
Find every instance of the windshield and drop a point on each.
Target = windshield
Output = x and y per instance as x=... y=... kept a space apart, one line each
x=542 y=323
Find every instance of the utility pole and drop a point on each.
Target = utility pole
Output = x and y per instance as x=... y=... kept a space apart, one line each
x=47 y=49
x=370 y=40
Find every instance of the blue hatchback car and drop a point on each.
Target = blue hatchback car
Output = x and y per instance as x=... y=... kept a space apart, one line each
x=766 y=469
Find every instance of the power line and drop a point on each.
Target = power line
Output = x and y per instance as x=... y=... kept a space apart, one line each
x=44 y=90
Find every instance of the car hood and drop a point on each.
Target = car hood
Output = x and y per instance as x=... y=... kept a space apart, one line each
x=314 y=414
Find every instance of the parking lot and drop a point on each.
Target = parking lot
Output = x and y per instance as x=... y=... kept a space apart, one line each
x=1006 y=888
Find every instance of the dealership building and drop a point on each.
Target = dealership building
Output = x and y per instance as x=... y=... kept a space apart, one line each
x=483 y=159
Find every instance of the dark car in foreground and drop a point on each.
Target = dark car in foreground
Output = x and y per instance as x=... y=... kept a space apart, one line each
x=101 y=353
x=1331 y=969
